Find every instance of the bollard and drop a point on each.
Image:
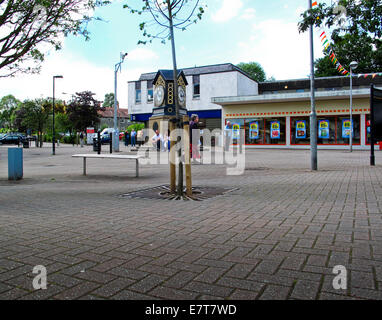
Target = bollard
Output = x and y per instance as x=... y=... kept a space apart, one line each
x=99 y=142
x=15 y=163
x=111 y=142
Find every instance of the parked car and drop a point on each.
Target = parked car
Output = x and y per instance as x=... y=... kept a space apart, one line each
x=12 y=139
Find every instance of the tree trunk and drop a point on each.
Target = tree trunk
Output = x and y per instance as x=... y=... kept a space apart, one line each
x=175 y=76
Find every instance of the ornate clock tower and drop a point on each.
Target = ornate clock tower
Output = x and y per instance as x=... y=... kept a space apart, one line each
x=164 y=100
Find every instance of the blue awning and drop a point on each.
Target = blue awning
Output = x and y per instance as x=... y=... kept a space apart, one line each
x=205 y=114
x=142 y=117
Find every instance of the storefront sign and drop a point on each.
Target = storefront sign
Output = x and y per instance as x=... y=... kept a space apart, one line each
x=346 y=127
x=90 y=134
x=236 y=131
x=301 y=129
x=275 y=130
x=323 y=129
x=254 y=130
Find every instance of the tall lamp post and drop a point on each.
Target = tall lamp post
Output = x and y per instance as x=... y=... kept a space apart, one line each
x=54 y=130
x=116 y=131
x=353 y=65
x=313 y=114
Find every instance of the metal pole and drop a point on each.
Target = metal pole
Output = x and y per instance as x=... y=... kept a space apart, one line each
x=351 y=111
x=53 y=133
x=115 y=134
x=372 y=155
x=313 y=114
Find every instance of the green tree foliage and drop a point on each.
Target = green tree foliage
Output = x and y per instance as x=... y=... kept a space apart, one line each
x=136 y=127
x=83 y=110
x=356 y=32
x=26 y=25
x=33 y=115
x=324 y=68
x=8 y=105
x=254 y=69
x=109 y=100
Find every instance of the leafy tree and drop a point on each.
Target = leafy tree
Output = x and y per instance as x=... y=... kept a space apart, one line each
x=254 y=69
x=8 y=105
x=109 y=100
x=32 y=114
x=165 y=16
x=83 y=110
x=358 y=37
x=324 y=68
x=26 y=25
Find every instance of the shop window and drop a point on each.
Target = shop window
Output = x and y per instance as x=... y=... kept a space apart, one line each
x=138 y=97
x=237 y=125
x=343 y=128
x=327 y=132
x=150 y=91
x=275 y=131
x=196 y=86
x=300 y=130
x=254 y=131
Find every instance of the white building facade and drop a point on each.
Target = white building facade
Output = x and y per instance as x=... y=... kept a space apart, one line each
x=204 y=83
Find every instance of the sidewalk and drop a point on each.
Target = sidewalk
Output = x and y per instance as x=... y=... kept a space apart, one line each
x=278 y=236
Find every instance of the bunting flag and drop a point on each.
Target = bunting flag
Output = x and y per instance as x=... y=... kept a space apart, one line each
x=325 y=40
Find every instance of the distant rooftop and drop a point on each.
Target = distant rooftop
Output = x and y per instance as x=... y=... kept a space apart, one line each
x=216 y=68
x=324 y=82
x=109 y=113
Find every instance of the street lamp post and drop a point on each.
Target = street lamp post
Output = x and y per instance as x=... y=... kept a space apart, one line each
x=313 y=114
x=353 y=65
x=116 y=131
x=54 y=130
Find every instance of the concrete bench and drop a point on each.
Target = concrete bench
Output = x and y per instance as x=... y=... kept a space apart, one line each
x=110 y=156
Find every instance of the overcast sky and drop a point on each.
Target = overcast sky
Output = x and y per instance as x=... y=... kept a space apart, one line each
x=231 y=31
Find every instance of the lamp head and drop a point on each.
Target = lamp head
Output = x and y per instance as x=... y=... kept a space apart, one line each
x=353 y=65
x=124 y=55
x=58 y=77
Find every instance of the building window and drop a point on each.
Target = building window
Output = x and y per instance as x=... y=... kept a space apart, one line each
x=196 y=86
x=330 y=130
x=150 y=91
x=138 y=95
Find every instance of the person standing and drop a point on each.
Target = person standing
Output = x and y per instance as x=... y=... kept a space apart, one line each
x=157 y=140
x=227 y=135
x=194 y=137
x=127 y=138
x=82 y=139
x=133 y=138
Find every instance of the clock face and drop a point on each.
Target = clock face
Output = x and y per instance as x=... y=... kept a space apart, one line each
x=158 y=96
x=182 y=96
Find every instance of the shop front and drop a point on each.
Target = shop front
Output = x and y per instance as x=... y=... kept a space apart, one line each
x=279 y=121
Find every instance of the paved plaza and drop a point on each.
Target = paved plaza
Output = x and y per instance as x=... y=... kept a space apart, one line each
x=277 y=235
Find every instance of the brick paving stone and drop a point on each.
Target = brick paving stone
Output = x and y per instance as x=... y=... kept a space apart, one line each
x=274 y=292
x=305 y=290
x=148 y=283
x=132 y=295
x=173 y=294
x=13 y=294
x=63 y=280
x=179 y=280
x=240 y=294
x=113 y=287
x=240 y=271
x=283 y=227
x=249 y=285
x=43 y=294
x=94 y=276
x=208 y=289
x=77 y=291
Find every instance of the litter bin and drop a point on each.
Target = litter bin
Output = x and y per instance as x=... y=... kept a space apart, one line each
x=96 y=146
x=15 y=163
